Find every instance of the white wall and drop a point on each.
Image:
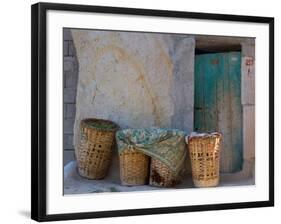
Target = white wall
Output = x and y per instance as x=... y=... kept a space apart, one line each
x=15 y=111
x=137 y=66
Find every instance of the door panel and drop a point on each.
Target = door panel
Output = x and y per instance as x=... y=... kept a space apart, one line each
x=218 y=103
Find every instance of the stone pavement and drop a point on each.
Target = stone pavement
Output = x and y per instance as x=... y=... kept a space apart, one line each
x=75 y=184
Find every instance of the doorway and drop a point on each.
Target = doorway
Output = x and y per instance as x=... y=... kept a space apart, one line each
x=217 y=103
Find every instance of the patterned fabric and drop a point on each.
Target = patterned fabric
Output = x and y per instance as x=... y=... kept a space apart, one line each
x=167 y=145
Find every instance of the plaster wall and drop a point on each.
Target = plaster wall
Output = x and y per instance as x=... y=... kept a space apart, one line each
x=137 y=80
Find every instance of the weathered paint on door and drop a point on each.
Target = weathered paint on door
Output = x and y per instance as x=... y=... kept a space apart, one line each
x=218 y=103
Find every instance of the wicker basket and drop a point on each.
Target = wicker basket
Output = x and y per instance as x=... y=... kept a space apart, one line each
x=96 y=141
x=161 y=175
x=204 y=150
x=134 y=167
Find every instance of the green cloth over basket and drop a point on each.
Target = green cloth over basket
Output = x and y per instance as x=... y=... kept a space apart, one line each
x=166 y=145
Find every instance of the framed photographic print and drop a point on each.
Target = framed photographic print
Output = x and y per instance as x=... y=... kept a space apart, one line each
x=139 y=111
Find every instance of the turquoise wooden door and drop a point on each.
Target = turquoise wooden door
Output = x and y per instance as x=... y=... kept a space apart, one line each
x=217 y=103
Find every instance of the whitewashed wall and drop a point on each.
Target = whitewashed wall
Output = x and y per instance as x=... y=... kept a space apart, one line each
x=135 y=79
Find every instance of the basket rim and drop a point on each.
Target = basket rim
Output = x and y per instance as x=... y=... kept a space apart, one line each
x=202 y=135
x=86 y=122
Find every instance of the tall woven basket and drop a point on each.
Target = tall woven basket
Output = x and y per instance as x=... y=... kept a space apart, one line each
x=161 y=175
x=204 y=150
x=96 y=141
x=134 y=167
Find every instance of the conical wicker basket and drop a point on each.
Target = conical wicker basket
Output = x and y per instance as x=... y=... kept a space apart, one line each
x=96 y=141
x=161 y=175
x=134 y=167
x=204 y=152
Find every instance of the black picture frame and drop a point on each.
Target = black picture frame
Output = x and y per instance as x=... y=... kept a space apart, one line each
x=39 y=122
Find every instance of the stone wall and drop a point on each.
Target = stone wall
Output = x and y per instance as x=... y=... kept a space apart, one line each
x=248 y=105
x=70 y=72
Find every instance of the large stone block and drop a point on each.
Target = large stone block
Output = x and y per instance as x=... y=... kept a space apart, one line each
x=68 y=142
x=69 y=95
x=67 y=34
x=65 y=48
x=68 y=156
x=71 y=78
x=248 y=72
x=71 y=49
x=70 y=64
x=248 y=81
x=70 y=110
x=137 y=80
x=68 y=125
x=248 y=47
x=249 y=132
